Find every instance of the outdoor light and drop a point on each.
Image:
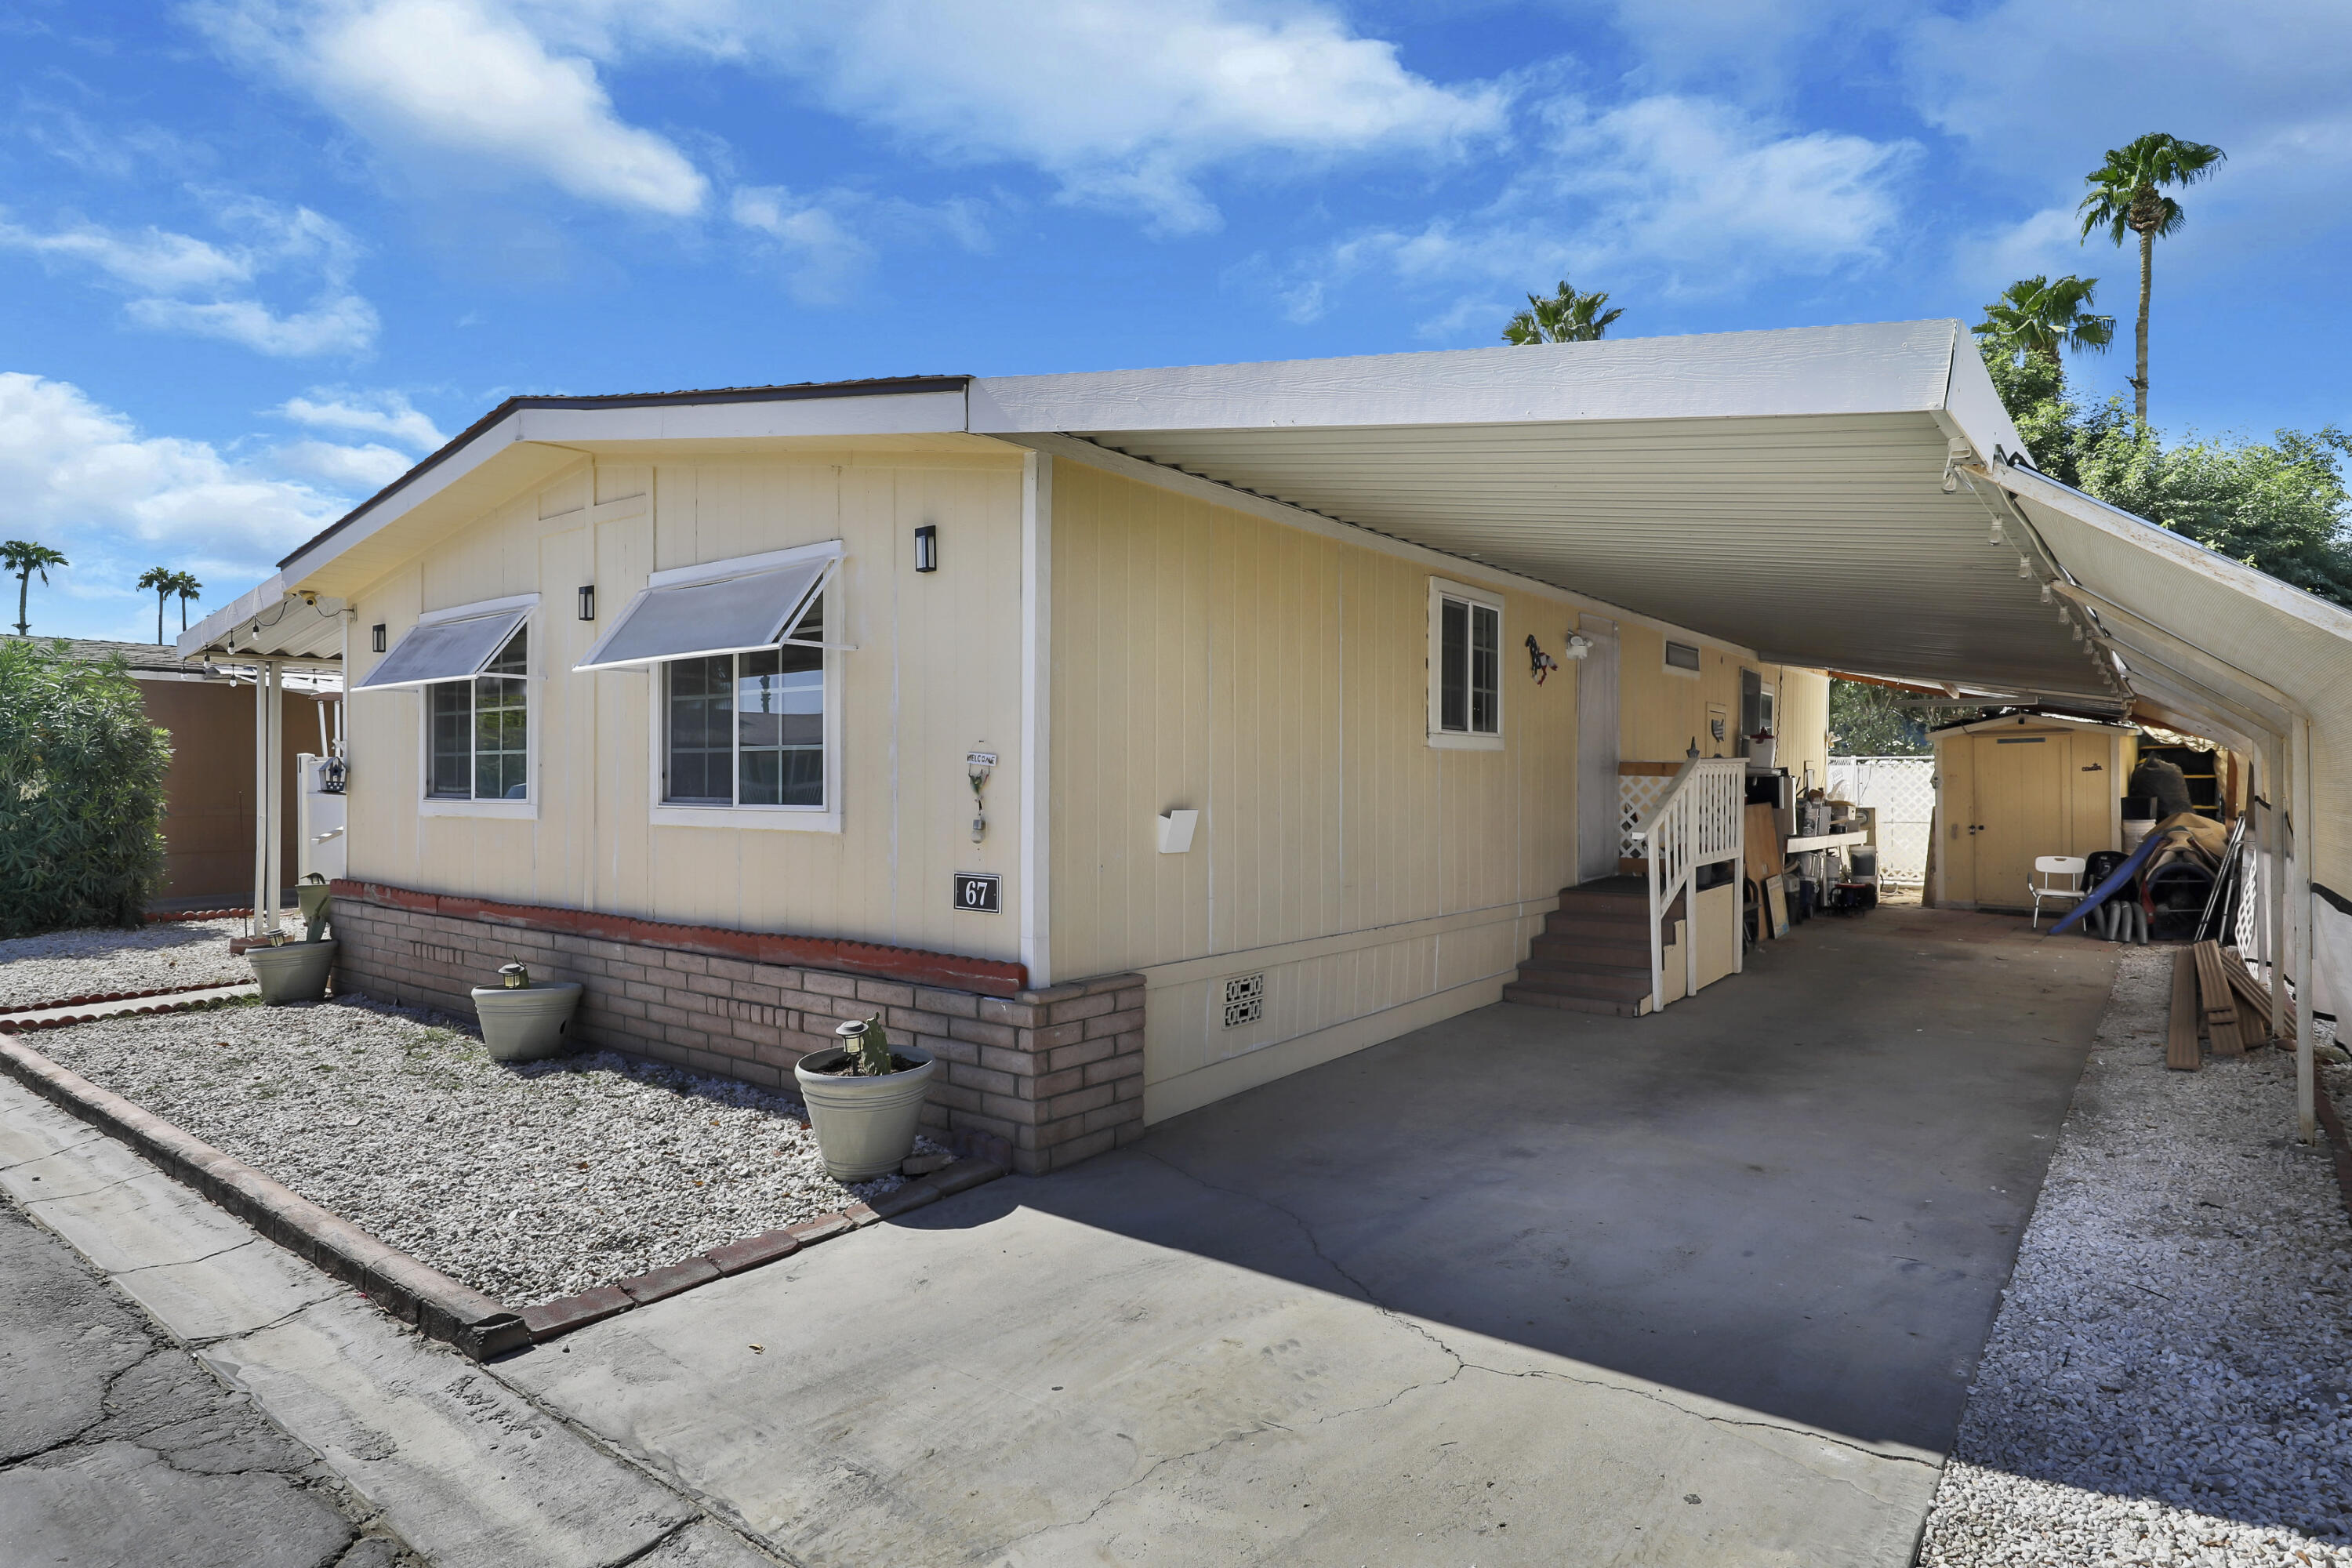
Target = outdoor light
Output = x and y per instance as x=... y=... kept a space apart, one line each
x=587 y=601
x=376 y=637
x=2024 y=568
x=927 y=548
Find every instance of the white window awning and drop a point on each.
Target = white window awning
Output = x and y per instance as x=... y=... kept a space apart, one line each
x=700 y=619
x=444 y=650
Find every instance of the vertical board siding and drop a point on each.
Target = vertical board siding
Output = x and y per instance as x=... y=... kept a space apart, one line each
x=1276 y=681
x=935 y=674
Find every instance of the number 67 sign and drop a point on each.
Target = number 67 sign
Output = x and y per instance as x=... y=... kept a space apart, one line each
x=976 y=892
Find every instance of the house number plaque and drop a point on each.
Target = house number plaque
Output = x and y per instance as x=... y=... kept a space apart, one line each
x=976 y=892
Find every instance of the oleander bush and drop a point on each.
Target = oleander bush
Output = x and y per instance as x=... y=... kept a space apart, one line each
x=81 y=792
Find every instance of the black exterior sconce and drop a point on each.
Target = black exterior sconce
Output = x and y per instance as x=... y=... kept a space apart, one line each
x=927 y=548
x=376 y=637
x=588 y=601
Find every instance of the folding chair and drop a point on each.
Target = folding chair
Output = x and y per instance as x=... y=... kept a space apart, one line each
x=2048 y=870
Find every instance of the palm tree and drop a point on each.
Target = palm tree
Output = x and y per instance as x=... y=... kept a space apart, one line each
x=24 y=558
x=1567 y=317
x=162 y=580
x=2127 y=194
x=184 y=584
x=2037 y=316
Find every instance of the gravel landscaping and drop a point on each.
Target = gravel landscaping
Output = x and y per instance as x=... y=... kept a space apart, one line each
x=2169 y=1380
x=527 y=1181
x=62 y=963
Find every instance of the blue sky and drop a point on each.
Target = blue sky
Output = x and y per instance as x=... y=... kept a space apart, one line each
x=260 y=255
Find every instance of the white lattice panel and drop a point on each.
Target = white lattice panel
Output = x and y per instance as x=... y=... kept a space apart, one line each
x=1637 y=795
x=1903 y=791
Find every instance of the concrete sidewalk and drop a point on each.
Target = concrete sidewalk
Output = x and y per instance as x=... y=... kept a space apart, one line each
x=1525 y=1287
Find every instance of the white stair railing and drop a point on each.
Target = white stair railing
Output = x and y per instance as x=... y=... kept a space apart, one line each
x=1700 y=822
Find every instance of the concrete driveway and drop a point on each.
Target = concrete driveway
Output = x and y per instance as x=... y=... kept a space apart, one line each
x=1523 y=1288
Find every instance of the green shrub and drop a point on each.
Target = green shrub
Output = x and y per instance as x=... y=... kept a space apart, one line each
x=81 y=792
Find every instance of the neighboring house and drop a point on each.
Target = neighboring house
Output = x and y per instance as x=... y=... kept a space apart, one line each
x=1130 y=738
x=208 y=821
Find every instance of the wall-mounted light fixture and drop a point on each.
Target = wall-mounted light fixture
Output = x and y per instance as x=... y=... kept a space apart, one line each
x=927 y=548
x=376 y=637
x=587 y=601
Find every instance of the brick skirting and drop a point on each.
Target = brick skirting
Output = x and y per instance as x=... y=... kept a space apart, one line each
x=1057 y=1072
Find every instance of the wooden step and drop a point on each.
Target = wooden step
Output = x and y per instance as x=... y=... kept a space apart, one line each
x=1600 y=927
x=1607 y=1006
x=1574 y=968
x=1631 y=949
x=1615 y=985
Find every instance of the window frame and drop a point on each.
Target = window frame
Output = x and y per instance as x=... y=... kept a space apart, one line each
x=1682 y=671
x=827 y=818
x=1441 y=589
x=533 y=712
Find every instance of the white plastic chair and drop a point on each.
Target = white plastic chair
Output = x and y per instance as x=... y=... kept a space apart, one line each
x=2044 y=882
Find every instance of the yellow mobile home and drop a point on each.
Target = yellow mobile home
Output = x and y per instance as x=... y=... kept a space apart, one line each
x=1128 y=738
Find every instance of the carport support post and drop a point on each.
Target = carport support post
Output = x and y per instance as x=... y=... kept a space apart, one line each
x=267 y=720
x=2306 y=1100
x=2273 y=862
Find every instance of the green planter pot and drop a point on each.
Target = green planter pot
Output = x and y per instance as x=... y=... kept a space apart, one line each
x=864 y=1126
x=522 y=1024
x=296 y=971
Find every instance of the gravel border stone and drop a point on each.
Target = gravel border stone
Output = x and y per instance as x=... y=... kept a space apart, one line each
x=526 y=1180
x=102 y=959
x=2169 y=1379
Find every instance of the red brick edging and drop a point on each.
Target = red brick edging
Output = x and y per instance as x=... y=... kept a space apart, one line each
x=551 y=1320
x=120 y=996
x=912 y=965
x=12 y=1025
x=155 y=919
x=408 y=1290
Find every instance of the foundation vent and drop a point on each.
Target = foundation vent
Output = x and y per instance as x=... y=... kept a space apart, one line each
x=1245 y=1000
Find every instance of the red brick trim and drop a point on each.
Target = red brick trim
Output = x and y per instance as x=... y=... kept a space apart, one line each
x=911 y=965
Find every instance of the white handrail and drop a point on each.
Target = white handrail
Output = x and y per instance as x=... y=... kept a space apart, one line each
x=1699 y=822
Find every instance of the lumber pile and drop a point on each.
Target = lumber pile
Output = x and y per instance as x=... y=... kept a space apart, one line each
x=2218 y=1001
x=2213 y=993
x=2180 y=1050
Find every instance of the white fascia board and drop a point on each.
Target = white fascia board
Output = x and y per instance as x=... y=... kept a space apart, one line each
x=1895 y=367
x=421 y=488
x=1460 y=568
x=2177 y=549
x=1973 y=411
x=880 y=414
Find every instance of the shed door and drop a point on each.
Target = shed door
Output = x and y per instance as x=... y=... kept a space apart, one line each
x=2022 y=782
x=1599 y=833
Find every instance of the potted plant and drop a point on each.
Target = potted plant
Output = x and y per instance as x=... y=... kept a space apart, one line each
x=865 y=1099
x=522 y=1022
x=296 y=971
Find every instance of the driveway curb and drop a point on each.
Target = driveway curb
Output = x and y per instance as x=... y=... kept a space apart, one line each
x=414 y=1293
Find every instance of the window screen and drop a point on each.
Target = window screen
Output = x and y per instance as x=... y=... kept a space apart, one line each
x=747 y=729
x=1681 y=655
x=1469 y=668
x=478 y=730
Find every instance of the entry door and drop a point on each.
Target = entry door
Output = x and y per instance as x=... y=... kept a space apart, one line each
x=1598 y=831
x=2022 y=783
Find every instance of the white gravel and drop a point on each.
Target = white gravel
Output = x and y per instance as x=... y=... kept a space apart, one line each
x=526 y=1181
x=62 y=963
x=2169 y=1380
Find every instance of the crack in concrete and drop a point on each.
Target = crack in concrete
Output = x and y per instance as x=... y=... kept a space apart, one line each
x=90 y=1135
x=184 y=1262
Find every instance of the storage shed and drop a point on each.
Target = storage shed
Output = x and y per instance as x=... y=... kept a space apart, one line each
x=2011 y=788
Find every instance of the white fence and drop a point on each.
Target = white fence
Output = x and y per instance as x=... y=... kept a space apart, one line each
x=1902 y=790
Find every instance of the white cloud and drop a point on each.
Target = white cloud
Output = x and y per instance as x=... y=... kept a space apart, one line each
x=463 y=81
x=80 y=477
x=824 y=244
x=1686 y=196
x=362 y=469
x=180 y=283
x=387 y=414
x=1127 y=105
